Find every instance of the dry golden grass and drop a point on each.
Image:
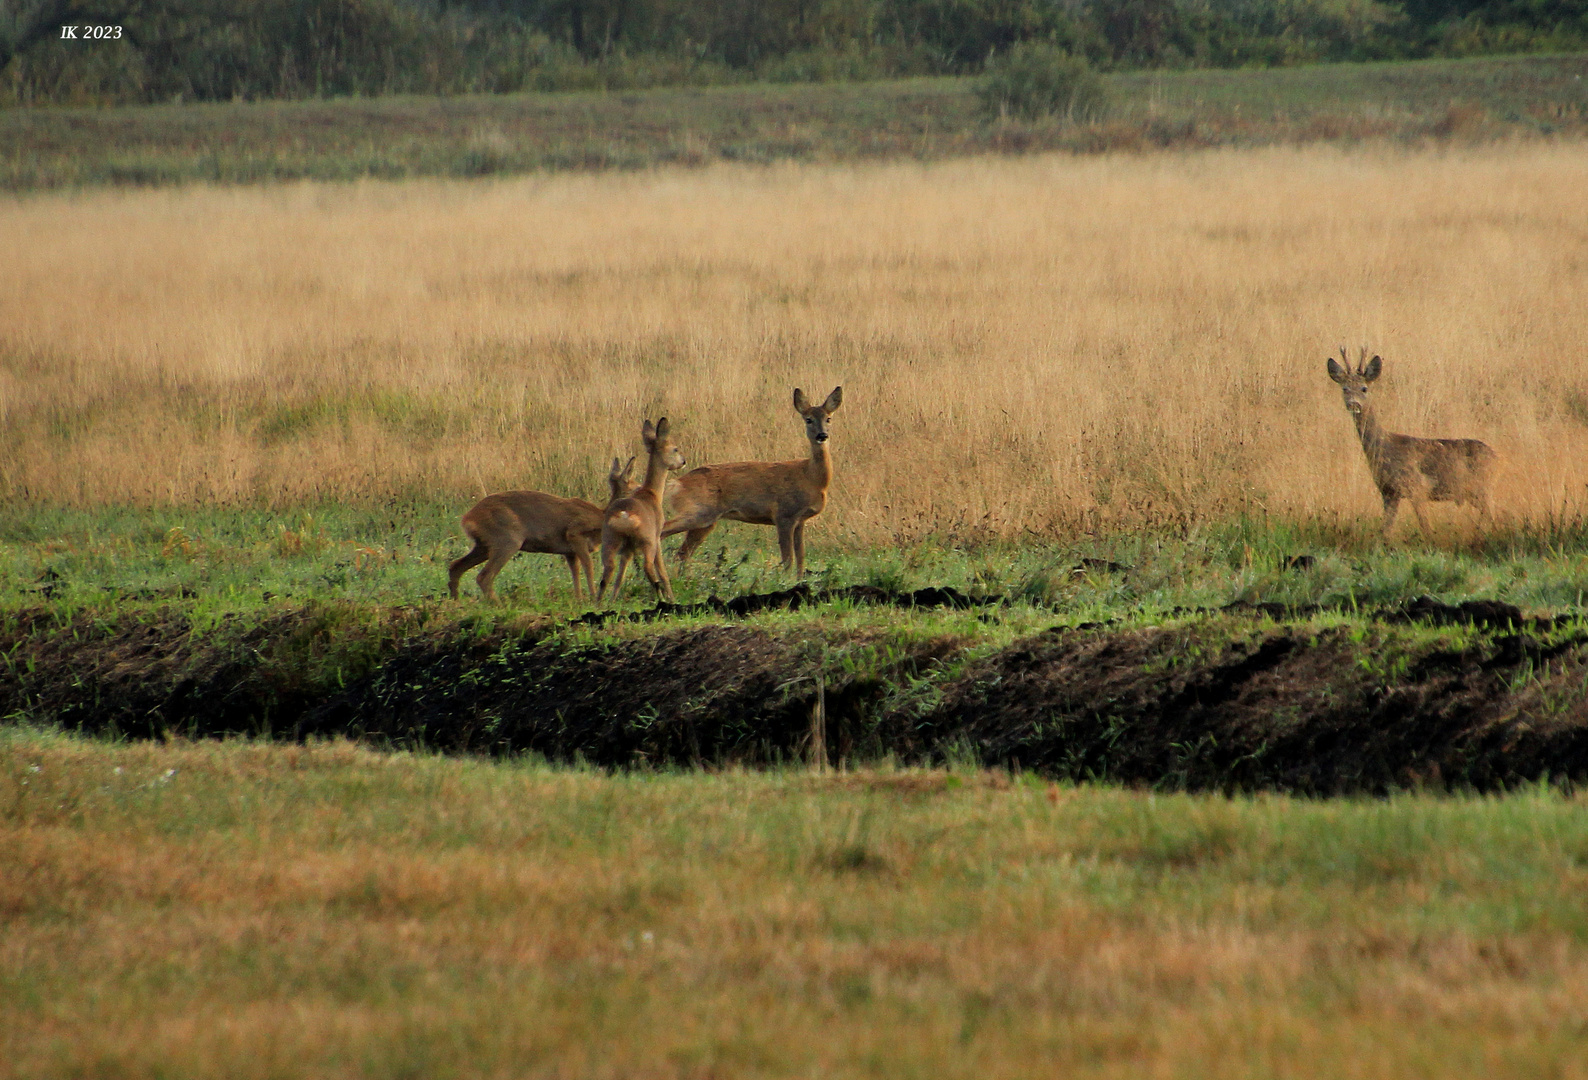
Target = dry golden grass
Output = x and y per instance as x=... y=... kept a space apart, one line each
x=1022 y=343
x=272 y=911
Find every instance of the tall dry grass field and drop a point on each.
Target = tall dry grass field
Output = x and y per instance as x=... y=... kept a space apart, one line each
x=1024 y=343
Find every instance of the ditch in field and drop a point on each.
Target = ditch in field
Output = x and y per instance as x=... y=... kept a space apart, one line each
x=1244 y=698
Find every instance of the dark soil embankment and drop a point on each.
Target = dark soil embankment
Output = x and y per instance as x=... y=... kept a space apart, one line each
x=1222 y=703
x=1323 y=712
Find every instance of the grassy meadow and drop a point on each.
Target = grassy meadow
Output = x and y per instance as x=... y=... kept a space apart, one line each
x=251 y=910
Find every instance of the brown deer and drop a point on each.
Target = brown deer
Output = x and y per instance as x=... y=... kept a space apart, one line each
x=618 y=483
x=1404 y=467
x=508 y=522
x=784 y=494
x=633 y=524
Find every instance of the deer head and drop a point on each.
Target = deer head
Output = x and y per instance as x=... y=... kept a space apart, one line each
x=657 y=444
x=816 y=415
x=618 y=477
x=1353 y=384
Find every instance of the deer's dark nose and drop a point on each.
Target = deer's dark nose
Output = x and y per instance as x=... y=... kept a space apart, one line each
x=821 y=437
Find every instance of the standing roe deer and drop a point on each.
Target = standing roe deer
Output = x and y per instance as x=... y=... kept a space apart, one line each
x=785 y=494
x=508 y=522
x=1404 y=467
x=633 y=524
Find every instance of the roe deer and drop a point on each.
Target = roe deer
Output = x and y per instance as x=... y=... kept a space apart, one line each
x=618 y=482
x=784 y=494
x=1404 y=467
x=633 y=524
x=508 y=522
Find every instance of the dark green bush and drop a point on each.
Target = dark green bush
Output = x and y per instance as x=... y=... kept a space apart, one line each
x=1034 y=80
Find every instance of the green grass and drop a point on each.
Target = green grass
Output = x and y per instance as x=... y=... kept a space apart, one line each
x=218 y=560
x=925 y=119
x=252 y=911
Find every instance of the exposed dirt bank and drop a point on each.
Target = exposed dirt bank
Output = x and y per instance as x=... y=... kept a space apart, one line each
x=1225 y=702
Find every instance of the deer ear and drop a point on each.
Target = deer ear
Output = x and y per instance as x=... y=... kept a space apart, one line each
x=627 y=468
x=616 y=469
x=1336 y=372
x=648 y=434
x=1374 y=368
x=661 y=428
x=834 y=399
x=801 y=405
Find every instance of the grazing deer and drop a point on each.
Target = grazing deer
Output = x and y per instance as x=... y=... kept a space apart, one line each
x=633 y=524
x=508 y=522
x=1404 y=467
x=784 y=494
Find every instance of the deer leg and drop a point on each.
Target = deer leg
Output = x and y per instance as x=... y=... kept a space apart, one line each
x=462 y=565
x=692 y=540
x=493 y=566
x=578 y=555
x=589 y=572
x=799 y=548
x=656 y=570
x=785 y=540
x=1420 y=508
x=1485 y=518
x=689 y=522
x=1391 y=505
x=647 y=561
x=608 y=557
x=623 y=566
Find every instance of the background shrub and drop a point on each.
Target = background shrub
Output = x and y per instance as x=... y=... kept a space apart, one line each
x=1034 y=80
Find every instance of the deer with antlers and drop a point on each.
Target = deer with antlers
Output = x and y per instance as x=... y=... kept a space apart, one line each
x=503 y=524
x=633 y=524
x=1407 y=468
x=783 y=494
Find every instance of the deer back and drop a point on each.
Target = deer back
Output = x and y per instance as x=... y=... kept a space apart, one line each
x=752 y=491
x=530 y=520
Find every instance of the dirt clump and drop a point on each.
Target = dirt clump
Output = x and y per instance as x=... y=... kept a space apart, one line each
x=1426 y=609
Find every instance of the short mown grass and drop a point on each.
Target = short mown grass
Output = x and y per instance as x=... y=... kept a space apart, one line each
x=250 y=910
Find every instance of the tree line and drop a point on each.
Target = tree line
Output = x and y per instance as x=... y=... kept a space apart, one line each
x=249 y=49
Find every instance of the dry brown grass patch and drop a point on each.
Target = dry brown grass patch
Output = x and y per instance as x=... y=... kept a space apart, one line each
x=1023 y=343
